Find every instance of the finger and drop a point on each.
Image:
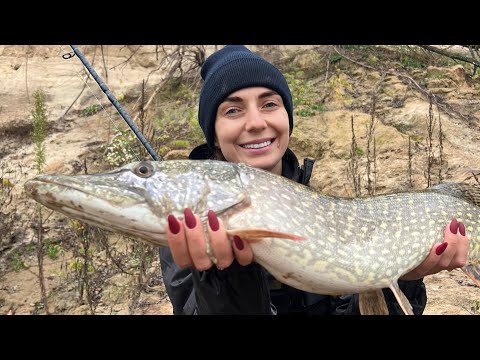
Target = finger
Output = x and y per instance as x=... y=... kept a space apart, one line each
x=221 y=245
x=196 y=242
x=451 y=238
x=460 y=258
x=177 y=242
x=242 y=250
x=428 y=265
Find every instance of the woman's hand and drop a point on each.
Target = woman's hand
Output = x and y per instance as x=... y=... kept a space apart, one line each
x=188 y=243
x=449 y=255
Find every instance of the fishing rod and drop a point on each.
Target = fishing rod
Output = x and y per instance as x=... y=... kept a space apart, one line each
x=115 y=103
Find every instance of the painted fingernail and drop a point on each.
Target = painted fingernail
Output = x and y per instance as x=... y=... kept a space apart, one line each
x=454 y=226
x=441 y=248
x=238 y=242
x=461 y=228
x=213 y=220
x=173 y=224
x=189 y=218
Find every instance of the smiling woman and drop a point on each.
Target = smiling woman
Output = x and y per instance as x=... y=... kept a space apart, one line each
x=246 y=114
x=252 y=127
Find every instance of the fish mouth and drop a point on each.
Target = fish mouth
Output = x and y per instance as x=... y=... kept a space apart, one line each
x=60 y=184
x=133 y=218
x=157 y=238
x=32 y=186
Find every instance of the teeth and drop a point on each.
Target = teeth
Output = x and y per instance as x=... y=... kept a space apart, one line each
x=257 y=146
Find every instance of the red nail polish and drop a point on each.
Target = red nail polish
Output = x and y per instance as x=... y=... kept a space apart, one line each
x=173 y=224
x=213 y=220
x=461 y=228
x=238 y=242
x=454 y=226
x=441 y=248
x=189 y=218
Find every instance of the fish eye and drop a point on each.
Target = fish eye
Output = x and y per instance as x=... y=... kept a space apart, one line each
x=144 y=170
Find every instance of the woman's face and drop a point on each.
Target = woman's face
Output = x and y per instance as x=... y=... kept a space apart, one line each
x=252 y=127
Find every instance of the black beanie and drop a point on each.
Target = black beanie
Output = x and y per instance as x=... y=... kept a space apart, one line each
x=232 y=68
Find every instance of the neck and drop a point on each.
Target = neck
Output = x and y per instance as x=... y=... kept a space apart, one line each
x=277 y=169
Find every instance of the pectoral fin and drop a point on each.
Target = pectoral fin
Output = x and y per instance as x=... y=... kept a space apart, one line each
x=401 y=298
x=372 y=303
x=254 y=235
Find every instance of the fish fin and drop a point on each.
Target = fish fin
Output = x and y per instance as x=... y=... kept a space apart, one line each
x=255 y=235
x=468 y=192
x=372 y=302
x=473 y=272
x=401 y=298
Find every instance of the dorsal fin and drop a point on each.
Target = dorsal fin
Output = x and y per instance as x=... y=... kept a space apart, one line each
x=462 y=191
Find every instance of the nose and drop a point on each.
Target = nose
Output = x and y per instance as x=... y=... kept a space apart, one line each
x=255 y=120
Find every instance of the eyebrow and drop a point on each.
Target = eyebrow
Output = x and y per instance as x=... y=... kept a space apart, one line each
x=261 y=96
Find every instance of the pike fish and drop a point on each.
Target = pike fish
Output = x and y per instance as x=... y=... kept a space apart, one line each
x=317 y=243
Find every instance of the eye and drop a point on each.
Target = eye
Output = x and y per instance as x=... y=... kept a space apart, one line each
x=144 y=169
x=231 y=111
x=270 y=104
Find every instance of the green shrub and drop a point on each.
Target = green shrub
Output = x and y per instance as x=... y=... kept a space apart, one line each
x=39 y=126
x=121 y=150
x=91 y=110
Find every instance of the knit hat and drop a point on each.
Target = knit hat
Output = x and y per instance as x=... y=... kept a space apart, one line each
x=232 y=68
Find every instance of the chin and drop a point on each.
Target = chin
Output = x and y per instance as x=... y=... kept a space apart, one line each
x=264 y=165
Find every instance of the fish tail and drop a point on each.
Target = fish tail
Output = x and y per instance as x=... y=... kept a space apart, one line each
x=473 y=272
x=472 y=268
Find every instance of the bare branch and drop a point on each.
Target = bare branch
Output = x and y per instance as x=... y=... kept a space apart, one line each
x=450 y=54
x=128 y=59
x=104 y=64
x=410 y=156
x=84 y=85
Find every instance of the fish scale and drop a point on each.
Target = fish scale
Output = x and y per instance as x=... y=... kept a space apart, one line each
x=348 y=245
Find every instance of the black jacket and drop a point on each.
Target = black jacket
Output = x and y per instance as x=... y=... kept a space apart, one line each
x=252 y=290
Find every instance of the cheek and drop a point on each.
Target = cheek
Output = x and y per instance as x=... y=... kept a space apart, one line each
x=283 y=126
x=225 y=133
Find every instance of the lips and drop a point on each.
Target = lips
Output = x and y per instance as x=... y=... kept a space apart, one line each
x=258 y=144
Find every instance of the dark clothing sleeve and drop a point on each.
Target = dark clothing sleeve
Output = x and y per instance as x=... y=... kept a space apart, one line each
x=178 y=283
x=236 y=290
x=415 y=292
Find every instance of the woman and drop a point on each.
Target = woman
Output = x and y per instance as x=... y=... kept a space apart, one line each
x=246 y=114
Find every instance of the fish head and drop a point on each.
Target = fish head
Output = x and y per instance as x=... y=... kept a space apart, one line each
x=198 y=185
x=137 y=198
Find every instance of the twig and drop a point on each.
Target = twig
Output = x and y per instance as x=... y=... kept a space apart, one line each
x=451 y=55
x=104 y=65
x=371 y=184
x=352 y=169
x=26 y=77
x=41 y=277
x=475 y=67
x=128 y=59
x=430 y=122
x=84 y=85
x=440 y=103
x=159 y=86
x=440 y=147
x=410 y=155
